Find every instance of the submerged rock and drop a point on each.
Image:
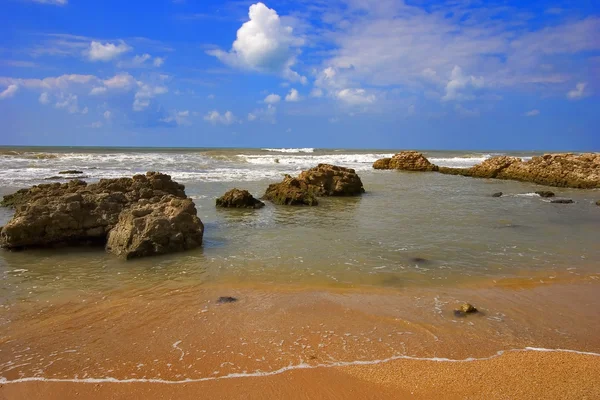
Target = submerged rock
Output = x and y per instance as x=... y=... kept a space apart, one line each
x=545 y=193
x=70 y=172
x=56 y=178
x=76 y=213
x=562 y=201
x=292 y=192
x=497 y=194
x=406 y=161
x=226 y=299
x=236 y=198
x=323 y=180
x=465 y=309
x=150 y=228
x=598 y=203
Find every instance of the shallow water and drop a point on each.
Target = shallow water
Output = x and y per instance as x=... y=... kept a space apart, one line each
x=434 y=236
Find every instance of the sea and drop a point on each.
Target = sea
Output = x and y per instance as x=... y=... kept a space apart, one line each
x=355 y=279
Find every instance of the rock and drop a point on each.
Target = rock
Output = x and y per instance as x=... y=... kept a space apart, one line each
x=55 y=178
x=497 y=194
x=236 y=198
x=406 y=161
x=12 y=200
x=419 y=260
x=226 y=299
x=598 y=203
x=150 y=228
x=465 y=309
x=493 y=166
x=291 y=192
x=75 y=212
x=70 y=172
x=562 y=201
x=331 y=180
x=545 y=193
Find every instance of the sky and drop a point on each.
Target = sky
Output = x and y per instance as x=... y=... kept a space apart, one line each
x=458 y=74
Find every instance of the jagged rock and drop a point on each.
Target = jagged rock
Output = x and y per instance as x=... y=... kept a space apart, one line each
x=406 y=161
x=562 y=201
x=465 y=309
x=331 y=180
x=70 y=172
x=226 y=299
x=497 y=194
x=12 y=200
x=292 y=192
x=493 y=166
x=151 y=228
x=55 y=178
x=76 y=212
x=545 y=193
x=236 y=198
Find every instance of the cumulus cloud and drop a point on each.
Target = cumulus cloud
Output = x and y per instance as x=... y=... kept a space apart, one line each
x=120 y=81
x=107 y=114
x=44 y=98
x=466 y=112
x=106 y=52
x=265 y=44
x=458 y=83
x=98 y=90
x=9 y=91
x=532 y=113
x=316 y=92
x=355 y=96
x=62 y=82
x=68 y=102
x=52 y=2
x=214 y=117
x=158 y=61
x=251 y=117
x=267 y=114
x=578 y=92
x=272 y=98
x=292 y=95
x=145 y=93
x=178 y=117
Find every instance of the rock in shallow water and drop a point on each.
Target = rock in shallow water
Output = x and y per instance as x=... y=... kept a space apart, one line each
x=70 y=172
x=236 y=198
x=497 y=194
x=562 y=201
x=406 y=161
x=465 y=309
x=545 y=193
x=226 y=299
x=76 y=213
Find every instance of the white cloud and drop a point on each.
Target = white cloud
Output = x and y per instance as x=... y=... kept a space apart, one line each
x=272 y=98
x=107 y=114
x=68 y=102
x=98 y=91
x=158 y=61
x=146 y=92
x=52 y=2
x=120 y=81
x=466 y=112
x=62 y=82
x=532 y=113
x=316 y=92
x=268 y=114
x=44 y=98
x=107 y=51
x=264 y=44
x=9 y=91
x=210 y=96
x=292 y=95
x=96 y=125
x=458 y=83
x=251 y=117
x=179 y=117
x=578 y=92
x=85 y=110
x=411 y=109
x=355 y=96
x=214 y=117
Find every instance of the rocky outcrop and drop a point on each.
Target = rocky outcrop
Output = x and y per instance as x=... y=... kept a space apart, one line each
x=465 y=309
x=406 y=161
x=331 y=180
x=323 y=180
x=70 y=172
x=291 y=192
x=166 y=226
x=598 y=203
x=560 y=170
x=497 y=194
x=236 y=198
x=76 y=213
x=562 y=201
x=545 y=193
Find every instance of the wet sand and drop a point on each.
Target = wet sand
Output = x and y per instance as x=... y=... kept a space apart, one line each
x=515 y=375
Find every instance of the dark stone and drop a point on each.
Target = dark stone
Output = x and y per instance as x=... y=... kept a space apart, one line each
x=497 y=194
x=545 y=193
x=598 y=203
x=419 y=260
x=562 y=201
x=54 y=178
x=236 y=198
x=70 y=172
x=226 y=299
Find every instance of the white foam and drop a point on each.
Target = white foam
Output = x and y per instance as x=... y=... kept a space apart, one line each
x=460 y=162
x=292 y=150
x=302 y=365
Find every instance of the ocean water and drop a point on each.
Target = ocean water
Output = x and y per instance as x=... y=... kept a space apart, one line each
x=430 y=238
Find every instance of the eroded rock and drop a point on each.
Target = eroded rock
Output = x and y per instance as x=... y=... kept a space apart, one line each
x=292 y=192
x=406 y=161
x=331 y=180
x=497 y=194
x=465 y=309
x=236 y=198
x=70 y=172
x=545 y=193
x=562 y=201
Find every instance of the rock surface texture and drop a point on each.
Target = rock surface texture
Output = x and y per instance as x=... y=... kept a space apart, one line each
x=406 y=161
x=323 y=180
x=77 y=213
x=236 y=198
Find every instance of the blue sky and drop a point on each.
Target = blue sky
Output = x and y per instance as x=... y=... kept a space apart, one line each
x=344 y=73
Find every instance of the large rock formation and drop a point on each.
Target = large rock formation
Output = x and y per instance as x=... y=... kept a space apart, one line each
x=561 y=170
x=406 y=161
x=291 y=192
x=167 y=226
x=236 y=198
x=323 y=180
x=76 y=212
x=331 y=180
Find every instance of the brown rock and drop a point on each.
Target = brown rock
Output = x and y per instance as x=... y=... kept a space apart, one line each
x=291 y=192
x=70 y=172
x=147 y=229
x=331 y=180
x=545 y=193
x=562 y=201
x=465 y=309
x=493 y=166
x=598 y=203
x=406 y=161
x=76 y=212
x=236 y=198
x=497 y=194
